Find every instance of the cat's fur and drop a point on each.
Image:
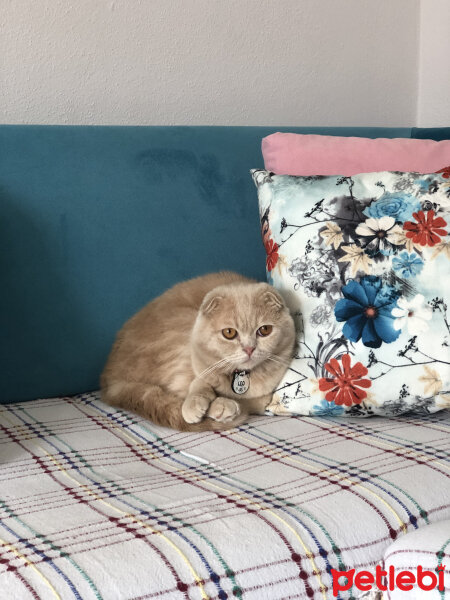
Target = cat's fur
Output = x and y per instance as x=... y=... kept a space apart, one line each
x=171 y=364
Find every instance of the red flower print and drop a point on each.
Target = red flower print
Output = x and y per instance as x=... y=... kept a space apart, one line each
x=344 y=385
x=445 y=172
x=272 y=254
x=427 y=230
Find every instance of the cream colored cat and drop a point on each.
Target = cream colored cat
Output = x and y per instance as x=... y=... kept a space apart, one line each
x=202 y=356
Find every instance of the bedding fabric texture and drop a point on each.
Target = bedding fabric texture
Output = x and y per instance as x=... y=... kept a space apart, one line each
x=101 y=504
x=429 y=548
x=312 y=154
x=364 y=265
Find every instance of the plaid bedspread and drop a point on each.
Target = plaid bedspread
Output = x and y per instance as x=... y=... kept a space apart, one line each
x=100 y=504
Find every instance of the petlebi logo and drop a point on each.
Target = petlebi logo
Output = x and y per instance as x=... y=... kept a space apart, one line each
x=388 y=580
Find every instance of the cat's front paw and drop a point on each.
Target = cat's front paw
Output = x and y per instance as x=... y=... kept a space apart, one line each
x=224 y=410
x=194 y=408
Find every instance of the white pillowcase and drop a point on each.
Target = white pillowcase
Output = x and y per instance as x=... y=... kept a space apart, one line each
x=364 y=265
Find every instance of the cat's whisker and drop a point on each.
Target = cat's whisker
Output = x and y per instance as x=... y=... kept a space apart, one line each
x=218 y=364
x=229 y=359
x=212 y=367
x=278 y=359
x=211 y=371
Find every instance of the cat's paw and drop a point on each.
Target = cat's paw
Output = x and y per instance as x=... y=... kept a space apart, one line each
x=224 y=410
x=194 y=408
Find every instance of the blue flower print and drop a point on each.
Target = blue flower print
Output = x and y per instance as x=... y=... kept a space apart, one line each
x=366 y=308
x=327 y=409
x=408 y=265
x=423 y=184
x=397 y=205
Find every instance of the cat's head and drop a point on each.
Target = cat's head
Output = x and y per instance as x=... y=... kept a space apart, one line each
x=243 y=324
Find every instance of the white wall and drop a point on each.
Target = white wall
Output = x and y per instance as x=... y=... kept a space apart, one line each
x=241 y=62
x=433 y=106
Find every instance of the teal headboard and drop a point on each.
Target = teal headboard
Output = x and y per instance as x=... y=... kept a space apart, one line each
x=96 y=221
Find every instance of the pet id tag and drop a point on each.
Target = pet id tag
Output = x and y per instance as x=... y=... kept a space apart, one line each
x=241 y=382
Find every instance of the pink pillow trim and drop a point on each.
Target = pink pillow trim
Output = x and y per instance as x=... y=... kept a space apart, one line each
x=312 y=154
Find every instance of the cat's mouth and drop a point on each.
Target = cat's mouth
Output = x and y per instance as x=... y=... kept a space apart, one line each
x=240 y=362
x=249 y=362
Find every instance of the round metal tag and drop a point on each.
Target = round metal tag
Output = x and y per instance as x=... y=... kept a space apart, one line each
x=240 y=382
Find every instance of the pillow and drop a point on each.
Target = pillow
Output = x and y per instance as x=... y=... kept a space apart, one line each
x=363 y=263
x=298 y=154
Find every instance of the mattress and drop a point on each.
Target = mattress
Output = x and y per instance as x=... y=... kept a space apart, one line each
x=97 y=503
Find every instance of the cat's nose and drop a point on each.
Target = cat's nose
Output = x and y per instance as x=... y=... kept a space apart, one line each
x=248 y=350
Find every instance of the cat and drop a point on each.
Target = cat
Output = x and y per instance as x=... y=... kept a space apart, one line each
x=202 y=356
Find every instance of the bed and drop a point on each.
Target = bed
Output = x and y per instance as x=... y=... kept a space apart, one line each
x=98 y=503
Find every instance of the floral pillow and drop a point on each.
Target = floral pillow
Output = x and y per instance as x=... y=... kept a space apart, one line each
x=364 y=265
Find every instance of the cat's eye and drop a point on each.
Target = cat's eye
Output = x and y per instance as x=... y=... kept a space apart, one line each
x=229 y=333
x=264 y=330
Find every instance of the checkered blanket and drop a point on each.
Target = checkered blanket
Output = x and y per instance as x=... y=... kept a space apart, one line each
x=100 y=504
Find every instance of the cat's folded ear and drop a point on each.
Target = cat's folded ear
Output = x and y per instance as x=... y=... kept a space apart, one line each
x=271 y=298
x=211 y=303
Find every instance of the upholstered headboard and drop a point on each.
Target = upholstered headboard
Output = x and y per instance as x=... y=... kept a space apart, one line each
x=96 y=221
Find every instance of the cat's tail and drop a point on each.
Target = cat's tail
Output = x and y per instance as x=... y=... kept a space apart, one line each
x=160 y=407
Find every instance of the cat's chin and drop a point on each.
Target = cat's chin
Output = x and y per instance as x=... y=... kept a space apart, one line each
x=245 y=365
x=249 y=363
